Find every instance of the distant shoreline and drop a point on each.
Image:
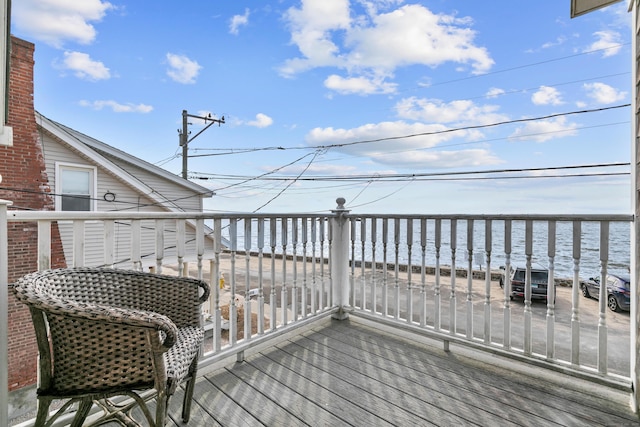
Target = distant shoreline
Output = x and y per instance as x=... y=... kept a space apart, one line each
x=445 y=270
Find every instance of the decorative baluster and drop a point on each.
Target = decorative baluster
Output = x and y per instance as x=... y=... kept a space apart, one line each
x=180 y=243
x=136 y=233
x=314 y=283
x=272 y=297
x=528 y=252
x=488 y=243
x=452 y=298
x=551 y=291
x=109 y=244
x=247 y=282
x=575 y=298
x=78 y=243
x=44 y=242
x=352 y=279
x=423 y=272
x=305 y=240
x=321 y=230
x=409 y=271
x=374 y=266
x=363 y=264
x=233 y=308
x=294 y=289
x=469 y=279
x=215 y=309
x=199 y=245
x=260 y=276
x=507 y=284
x=396 y=269
x=385 y=291
x=283 y=298
x=437 y=317
x=602 y=319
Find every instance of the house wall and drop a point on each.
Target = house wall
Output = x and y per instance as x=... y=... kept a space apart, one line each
x=24 y=182
x=127 y=199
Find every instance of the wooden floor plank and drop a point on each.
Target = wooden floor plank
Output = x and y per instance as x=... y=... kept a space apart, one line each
x=562 y=403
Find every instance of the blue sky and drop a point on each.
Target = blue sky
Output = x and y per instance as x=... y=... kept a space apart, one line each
x=394 y=105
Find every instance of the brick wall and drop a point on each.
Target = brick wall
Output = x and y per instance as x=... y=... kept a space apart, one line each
x=25 y=183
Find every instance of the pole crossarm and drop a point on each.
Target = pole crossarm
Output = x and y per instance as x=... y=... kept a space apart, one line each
x=184 y=134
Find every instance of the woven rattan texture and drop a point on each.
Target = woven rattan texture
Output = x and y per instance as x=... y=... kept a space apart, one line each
x=103 y=323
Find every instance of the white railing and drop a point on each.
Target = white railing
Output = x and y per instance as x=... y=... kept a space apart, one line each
x=281 y=271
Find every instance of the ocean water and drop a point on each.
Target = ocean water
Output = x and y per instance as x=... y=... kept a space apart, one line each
x=393 y=236
x=589 y=254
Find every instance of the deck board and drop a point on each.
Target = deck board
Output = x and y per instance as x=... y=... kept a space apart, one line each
x=350 y=373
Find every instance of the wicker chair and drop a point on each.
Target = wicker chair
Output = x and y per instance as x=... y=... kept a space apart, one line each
x=104 y=333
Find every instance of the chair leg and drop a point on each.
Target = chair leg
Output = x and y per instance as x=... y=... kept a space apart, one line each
x=83 y=410
x=188 y=392
x=162 y=401
x=43 y=410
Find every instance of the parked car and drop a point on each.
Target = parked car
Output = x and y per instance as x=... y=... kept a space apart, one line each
x=539 y=282
x=618 y=291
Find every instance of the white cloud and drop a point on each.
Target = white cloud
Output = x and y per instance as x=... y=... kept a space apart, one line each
x=117 y=107
x=439 y=159
x=327 y=35
x=238 y=21
x=84 y=67
x=546 y=95
x=182 y=69
x=494 y=92
x=457 y=111
x=261 y=121
x=603 y=93
x=544 y=130
x=55 y=22
x=358 y=85
x=609 y=41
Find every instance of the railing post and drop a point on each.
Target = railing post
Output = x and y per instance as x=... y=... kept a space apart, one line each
x=4 y=315
x=340 y=260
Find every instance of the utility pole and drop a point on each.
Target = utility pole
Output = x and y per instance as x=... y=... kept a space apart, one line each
x=184 y=134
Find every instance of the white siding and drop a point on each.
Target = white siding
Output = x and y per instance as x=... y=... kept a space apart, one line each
x=113 y=194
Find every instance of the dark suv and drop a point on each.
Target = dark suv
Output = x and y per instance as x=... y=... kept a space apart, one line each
x=539 y=282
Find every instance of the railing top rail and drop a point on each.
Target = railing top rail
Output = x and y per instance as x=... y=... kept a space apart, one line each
x=18 y=215
x=501 y=217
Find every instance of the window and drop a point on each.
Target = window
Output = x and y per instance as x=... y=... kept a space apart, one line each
x=75 y=188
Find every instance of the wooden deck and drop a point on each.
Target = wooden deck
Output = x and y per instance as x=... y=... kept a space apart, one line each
x=351 y=373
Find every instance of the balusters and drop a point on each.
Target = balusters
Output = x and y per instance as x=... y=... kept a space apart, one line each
x=233 y=309
x=396 y=269
x=470 y=279
x=283 y=298
x=363 y=265
x=199 y=244
x=409 y=237
x=575 y=299
x=374 y=266
x=272 y=298
x=602 y=320
x=528 y=253
x=215 y=309
x=314 y=283
x=159 y=243
x=437 y=320
x=180 y=245
x=506 y=282
x=423 y=275
x=488 y=243
x=294 y=288
x=352 y=278
x=78 y=243
x=452 y=298
x=385 y=291
x=247 y=281
x=551 y=290
x=260 y=276
x=305 y=241
x=324 y=300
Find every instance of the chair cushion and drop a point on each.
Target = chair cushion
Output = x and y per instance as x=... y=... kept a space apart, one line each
x=179 y=357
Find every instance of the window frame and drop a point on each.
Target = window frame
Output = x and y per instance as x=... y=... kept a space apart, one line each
x=60 y=167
